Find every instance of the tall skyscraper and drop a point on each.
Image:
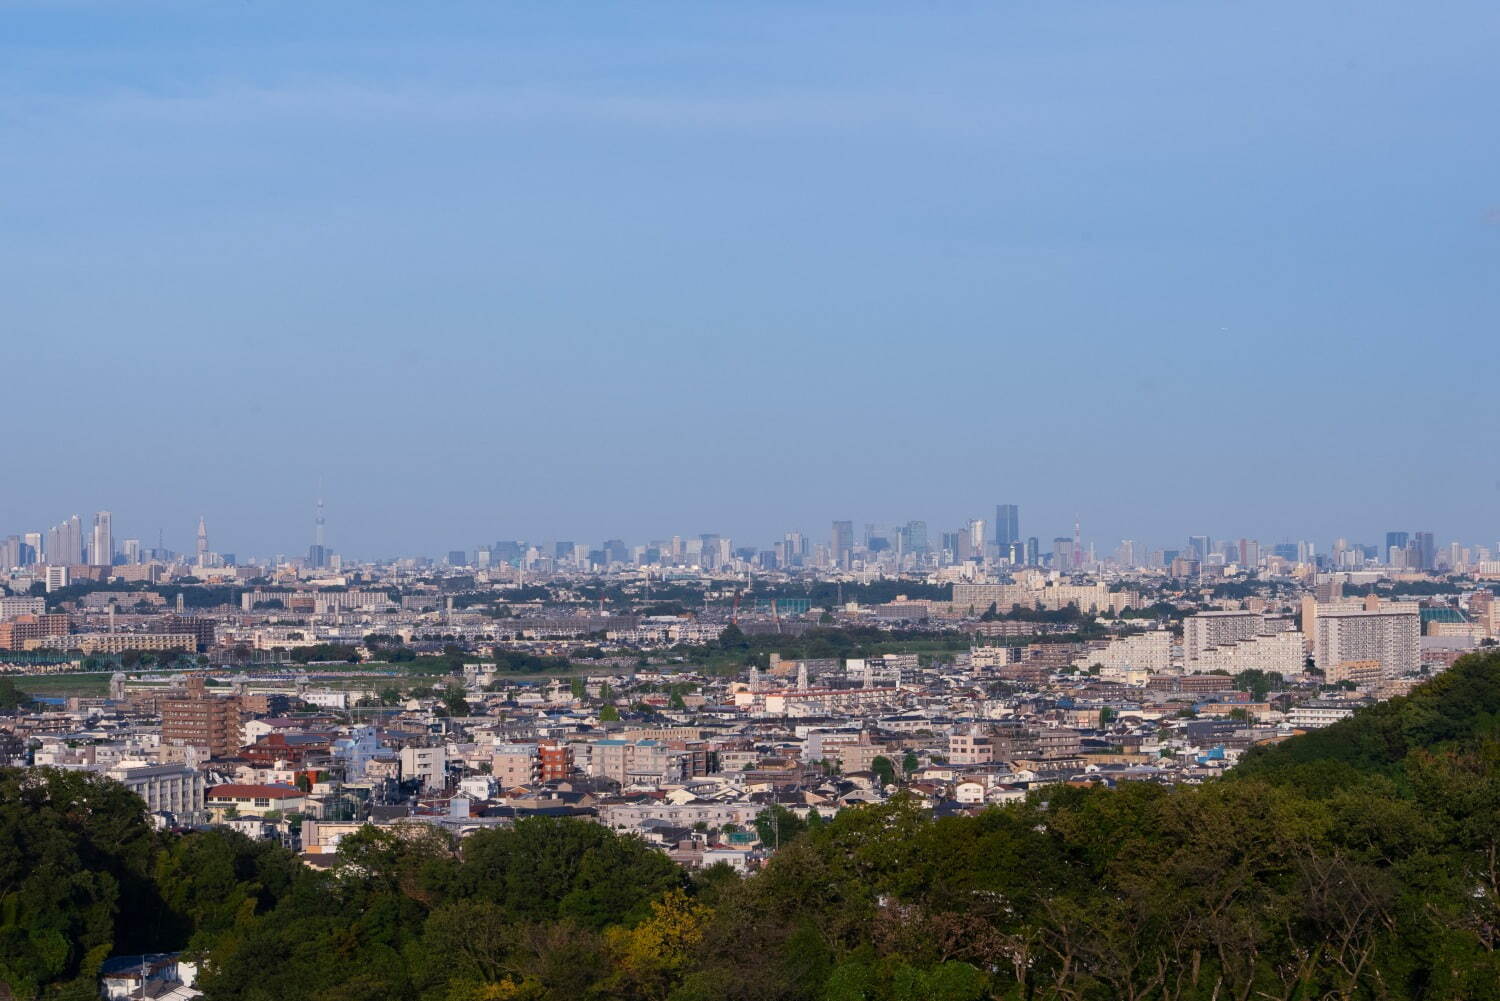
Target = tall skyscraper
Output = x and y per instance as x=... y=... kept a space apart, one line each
x=1395 y=540
x=65 y=543
x=1426 y=551
x=1007 y=526
x=202 y=542
x=975 y=529
x=1198 y=547
x=102 y=545
x=842 y=545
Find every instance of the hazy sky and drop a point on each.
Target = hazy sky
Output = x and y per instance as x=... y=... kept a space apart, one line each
x=506 y=270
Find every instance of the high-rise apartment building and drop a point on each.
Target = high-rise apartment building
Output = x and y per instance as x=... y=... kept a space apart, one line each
x=207 y=722
x=65 y=543
x=1206 y=630
x=1348 y=638
x=102 y=542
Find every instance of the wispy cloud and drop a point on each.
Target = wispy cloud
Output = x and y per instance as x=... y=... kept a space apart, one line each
x=352 y=103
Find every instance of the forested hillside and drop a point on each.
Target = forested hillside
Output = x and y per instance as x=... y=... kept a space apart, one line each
x=1362 y=861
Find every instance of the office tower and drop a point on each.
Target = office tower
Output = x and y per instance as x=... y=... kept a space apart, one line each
x=57 y=576
x=202 y=541
x=10 y=552
x=457 y=558
x=963 y=545
x=950 y=543
x=1127 y=553
x=1007 y=526
x=1062 y=554
x=1395 y=540
x=1198 y=547
x=914 y=537
x=842 y=545
x=102 y=545
x=563 y=550
x=130 y=550
x=1426 y=551
x=1033 y=551
x=32 y=540
x=975 y=530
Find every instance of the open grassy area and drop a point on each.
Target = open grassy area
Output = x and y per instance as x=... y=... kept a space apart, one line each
x=76 y=683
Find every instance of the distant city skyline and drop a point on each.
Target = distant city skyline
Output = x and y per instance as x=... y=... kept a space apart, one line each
x=73 y=534
x=544 y=271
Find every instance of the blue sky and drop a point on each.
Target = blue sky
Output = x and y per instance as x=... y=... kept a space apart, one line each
x=501 y=270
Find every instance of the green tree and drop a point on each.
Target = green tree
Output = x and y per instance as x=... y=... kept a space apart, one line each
x=455 y=700
x=776 y=825
x=884 y=769
x=12 y=698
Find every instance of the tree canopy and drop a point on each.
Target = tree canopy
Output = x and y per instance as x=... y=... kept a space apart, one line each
x=1356 y=862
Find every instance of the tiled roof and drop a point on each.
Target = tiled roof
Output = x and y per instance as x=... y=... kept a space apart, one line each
x=234 y=791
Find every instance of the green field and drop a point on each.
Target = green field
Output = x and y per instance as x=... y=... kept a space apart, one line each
x=77 y=683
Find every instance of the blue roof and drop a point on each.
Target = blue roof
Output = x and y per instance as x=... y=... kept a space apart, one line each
x=117 y=965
